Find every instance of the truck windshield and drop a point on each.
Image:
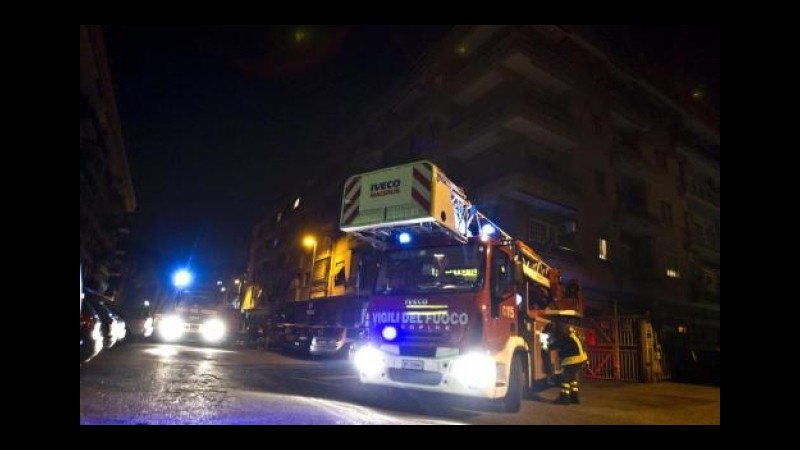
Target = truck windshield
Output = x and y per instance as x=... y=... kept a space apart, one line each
x=431 y=269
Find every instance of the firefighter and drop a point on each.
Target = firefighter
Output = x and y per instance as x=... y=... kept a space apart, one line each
x=572 y=355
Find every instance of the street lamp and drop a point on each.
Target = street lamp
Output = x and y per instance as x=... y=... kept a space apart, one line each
x=311 y=242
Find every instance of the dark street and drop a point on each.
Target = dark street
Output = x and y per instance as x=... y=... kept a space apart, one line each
x=175 y=384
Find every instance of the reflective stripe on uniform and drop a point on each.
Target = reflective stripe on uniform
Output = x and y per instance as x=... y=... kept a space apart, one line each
x=580 y=357
x=577 y=359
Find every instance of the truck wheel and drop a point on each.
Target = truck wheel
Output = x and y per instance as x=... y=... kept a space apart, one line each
x=513 y=399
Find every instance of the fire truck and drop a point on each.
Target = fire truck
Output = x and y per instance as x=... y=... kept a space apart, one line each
x=459 y=306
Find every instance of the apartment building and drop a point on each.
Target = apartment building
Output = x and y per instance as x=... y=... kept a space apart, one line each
x=107 y=196
x=563 y=143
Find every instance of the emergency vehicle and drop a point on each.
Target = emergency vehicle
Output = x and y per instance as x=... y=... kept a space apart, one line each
x=458 y=305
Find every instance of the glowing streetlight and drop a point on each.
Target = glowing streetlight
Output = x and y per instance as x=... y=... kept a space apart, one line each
x=311 y=242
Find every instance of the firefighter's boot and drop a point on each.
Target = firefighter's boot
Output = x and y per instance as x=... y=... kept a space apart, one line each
x=573 y=395
x=563 y=396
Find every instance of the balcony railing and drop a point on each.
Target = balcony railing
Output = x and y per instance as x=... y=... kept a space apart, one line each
x=704 y=192
x=704 y=242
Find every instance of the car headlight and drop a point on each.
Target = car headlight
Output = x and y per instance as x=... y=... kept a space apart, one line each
x=171 y=328
x=368 y=360
x=213 y=330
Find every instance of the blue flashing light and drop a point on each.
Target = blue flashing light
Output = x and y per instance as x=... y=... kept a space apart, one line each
x=487 y=229
x=389 y=333
x=182 y=278
x=404 y=238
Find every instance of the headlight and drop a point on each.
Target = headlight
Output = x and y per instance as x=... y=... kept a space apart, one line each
x=368 y=360
x=97 y=333
x=213 y=330
x=475 y=370
x=171 y=328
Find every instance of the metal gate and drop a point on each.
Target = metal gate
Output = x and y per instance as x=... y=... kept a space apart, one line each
x=614 y=348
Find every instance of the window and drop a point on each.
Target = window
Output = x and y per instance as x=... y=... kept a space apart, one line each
x=666 y=212
x=340 y=279
x=673 y=268
x=503 y=273
x=602 y=249
x=600 y=182
x=537 y=231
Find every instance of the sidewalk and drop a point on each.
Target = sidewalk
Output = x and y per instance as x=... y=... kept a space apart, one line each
x=613 y=402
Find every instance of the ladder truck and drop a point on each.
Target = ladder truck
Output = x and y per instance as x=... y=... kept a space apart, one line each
x=458 y=305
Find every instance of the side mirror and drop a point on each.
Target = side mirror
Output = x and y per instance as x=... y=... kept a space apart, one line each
x=519 y=274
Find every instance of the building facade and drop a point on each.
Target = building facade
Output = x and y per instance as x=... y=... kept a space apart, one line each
x=107 y=196
x=558 y=138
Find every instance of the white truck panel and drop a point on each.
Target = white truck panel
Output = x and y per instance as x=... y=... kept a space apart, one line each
x=407 y=194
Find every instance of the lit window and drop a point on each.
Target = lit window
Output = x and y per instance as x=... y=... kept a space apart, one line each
x=280 y=216
x=602 y=249
x=296 y=203
x=673 y=270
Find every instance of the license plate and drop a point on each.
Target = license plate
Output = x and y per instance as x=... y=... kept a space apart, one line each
x=413 y=364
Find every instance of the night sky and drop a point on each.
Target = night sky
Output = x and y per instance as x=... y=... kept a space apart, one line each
x=220 y=121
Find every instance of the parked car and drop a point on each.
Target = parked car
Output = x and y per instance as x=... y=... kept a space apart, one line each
x=138 y=322
x=291 y=333
x=275 y=336
x=334 y=340
x=91 y=333
x=112 y=326
x=301 y=342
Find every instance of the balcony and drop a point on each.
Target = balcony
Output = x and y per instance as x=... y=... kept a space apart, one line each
x=538 y=119
x=512 y=171
x=631 y=161
x=540 y=60
x=706 y=247
x=523 y=52
x=636 y=219
x=704 y=193
x=628 y=113
x=702 y=293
